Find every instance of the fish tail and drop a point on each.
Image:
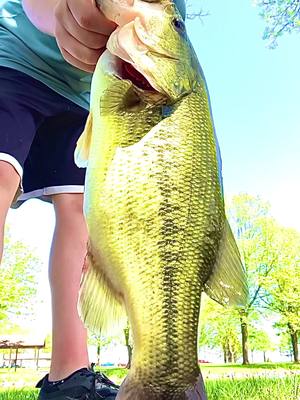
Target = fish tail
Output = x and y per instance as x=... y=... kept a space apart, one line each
x=135 y=391
x=198 y=391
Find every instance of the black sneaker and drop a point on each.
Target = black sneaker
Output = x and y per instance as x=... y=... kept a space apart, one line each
x=81 y=385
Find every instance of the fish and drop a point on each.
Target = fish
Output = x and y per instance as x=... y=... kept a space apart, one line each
x=154 y=200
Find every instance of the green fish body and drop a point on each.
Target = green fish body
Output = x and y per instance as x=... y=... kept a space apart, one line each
x=158 y=234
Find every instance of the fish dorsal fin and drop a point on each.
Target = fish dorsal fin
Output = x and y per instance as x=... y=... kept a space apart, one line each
x=100 y=307
x=82 y=151
x=228 y=285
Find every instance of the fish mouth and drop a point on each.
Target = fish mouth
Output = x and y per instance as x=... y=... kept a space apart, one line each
x=117 y=67
x=129 y=72
x=137 y=55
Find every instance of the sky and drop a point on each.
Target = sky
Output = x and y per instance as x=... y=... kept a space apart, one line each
x=255 y=101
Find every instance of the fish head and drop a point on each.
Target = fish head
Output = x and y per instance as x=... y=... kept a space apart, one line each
x=155 y=44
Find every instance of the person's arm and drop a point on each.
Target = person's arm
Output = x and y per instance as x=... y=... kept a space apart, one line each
x=41 y=14
x=80 y=28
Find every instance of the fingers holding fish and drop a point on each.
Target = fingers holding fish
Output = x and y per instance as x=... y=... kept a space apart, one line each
x=81 y=31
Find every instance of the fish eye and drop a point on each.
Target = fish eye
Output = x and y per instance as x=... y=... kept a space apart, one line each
x=179 y=24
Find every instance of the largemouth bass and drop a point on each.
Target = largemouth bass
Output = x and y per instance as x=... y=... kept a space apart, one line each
x=158 y=234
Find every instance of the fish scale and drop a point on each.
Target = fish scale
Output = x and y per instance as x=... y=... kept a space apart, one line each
x=155 y=213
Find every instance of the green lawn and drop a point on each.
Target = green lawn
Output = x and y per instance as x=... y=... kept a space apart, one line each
x=230 y=382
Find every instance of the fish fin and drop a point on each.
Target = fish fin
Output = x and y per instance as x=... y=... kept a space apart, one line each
x=136 y=390
x=82 y=150
x=117 y=96
x=228 y=285
x=100 y=307
x=123 y=97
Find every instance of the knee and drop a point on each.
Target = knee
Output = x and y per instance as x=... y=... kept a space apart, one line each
x=9 y=177
x=70 y=224
x=68 y=207
x=9 y=183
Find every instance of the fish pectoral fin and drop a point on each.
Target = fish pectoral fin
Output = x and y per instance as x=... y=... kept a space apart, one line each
x=82 y=151
x=99 y=306
x=120 y=97
x=227 y=284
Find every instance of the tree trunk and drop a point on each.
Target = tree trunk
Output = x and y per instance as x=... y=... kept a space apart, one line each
x=225 y=354
x=230 y=355
x=98 y=353
x=244 y=330
x=294 y=338
x=265 y=357
x=129 y=348
x=235 y=357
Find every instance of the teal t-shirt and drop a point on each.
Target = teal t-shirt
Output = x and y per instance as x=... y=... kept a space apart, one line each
x=26 y=49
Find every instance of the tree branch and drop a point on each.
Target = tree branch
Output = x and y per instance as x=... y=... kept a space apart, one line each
x=193 y=15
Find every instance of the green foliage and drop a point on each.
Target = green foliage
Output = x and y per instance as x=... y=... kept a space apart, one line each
x=256 y=234
x=282 y=286
x=219 y=327
x=259 y=340
x=283 y=282
x=255 y=231
x=271 y=257
x=285 y=344
x=281 y=16
x=48 y=343
x=18 y=284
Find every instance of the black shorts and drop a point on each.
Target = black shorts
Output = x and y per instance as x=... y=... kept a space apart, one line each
x=38 y=133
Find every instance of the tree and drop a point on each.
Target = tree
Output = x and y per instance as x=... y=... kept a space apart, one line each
x=219 y=327
x=283 y=283
x=281 y=16
x=259 y=340
x=255 y=231
x=192 y=14
x=285 y=345
x=18 y=283
x=128 y=344
x=101 y=342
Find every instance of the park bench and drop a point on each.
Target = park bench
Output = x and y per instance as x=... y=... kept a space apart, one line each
x=15 y=357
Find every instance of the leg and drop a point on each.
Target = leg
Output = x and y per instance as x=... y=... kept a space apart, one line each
x=69 y=351
x=9 y=182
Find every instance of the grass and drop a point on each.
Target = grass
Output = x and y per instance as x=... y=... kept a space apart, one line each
x=267 y=370
x=23 y=394
x=230 y=382
x=254 y=389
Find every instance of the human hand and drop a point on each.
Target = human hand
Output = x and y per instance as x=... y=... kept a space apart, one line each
x=81 y=32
